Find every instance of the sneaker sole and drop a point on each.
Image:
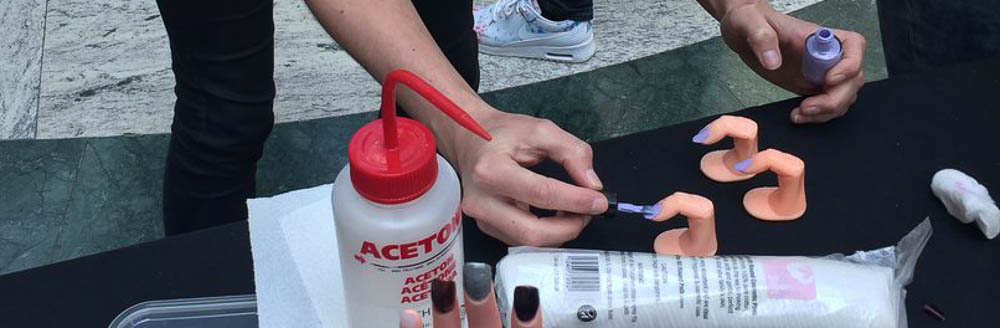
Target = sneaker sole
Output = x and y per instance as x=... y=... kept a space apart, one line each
x=573 y=54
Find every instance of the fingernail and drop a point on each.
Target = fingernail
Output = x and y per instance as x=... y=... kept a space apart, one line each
x=742 y=165
x=443 y=295
x=525 y=303
x=701 y=136
x=796 y=118
x=810 y=110
x=771 y=60
x=478 y=280
x=837 y=78
x=600 y=205
x=594 y=180
x=653 y=212
x=409 y=318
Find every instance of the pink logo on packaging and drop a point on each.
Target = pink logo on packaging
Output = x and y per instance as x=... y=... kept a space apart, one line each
x=789 y=279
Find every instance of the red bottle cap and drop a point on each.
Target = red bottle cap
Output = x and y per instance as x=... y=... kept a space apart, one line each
x=393 y=159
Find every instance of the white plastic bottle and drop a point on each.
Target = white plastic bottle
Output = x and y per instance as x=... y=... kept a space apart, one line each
x=396 y=209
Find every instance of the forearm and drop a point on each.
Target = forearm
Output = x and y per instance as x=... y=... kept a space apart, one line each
x=719 y=8
x=384 y=35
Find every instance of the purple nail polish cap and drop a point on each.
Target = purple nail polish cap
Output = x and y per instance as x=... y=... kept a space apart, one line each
x=822 y=52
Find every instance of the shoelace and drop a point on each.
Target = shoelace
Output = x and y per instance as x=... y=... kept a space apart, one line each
x=504 y=8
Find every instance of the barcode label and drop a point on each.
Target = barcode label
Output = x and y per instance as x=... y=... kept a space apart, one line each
x=582 y=273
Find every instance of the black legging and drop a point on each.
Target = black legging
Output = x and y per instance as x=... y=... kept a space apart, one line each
x=223 y=62
x=559 y=10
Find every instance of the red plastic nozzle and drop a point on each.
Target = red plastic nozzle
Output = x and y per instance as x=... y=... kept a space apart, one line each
x=428 y=92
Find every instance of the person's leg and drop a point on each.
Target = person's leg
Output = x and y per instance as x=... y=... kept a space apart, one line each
x=450 y=24
x=560 y=10
x=223 y=59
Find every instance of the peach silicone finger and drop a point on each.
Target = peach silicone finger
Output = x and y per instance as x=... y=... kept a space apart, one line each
x=718 y=165
x=480 y=299
x=698 y=239
x=410 y=319
x=785 y=202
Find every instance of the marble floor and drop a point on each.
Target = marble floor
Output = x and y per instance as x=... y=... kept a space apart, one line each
x=83 y=68
x=71 y=197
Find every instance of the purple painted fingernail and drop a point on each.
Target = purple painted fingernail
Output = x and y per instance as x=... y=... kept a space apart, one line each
x=701 y=136
x=742 y=165
x=652 y=211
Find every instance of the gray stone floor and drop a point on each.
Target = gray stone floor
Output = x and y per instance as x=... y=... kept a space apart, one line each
x=83 y=68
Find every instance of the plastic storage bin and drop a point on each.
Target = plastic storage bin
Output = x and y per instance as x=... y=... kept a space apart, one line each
x=208 y=312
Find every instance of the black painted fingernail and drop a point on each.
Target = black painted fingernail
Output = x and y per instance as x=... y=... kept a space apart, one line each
x=525 y=302
x=478 y=280
x=443 y=295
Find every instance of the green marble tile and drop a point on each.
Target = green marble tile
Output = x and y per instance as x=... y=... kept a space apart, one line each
x=37 y=180
x=305 y=154
x=78 y=197
x=117 y=200
x=616 y=100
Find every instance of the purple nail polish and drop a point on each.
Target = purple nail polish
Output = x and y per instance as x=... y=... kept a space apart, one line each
x=701 y=136
x=629 y=208
x=822 y=52
x=650 y=212
x=742 y=165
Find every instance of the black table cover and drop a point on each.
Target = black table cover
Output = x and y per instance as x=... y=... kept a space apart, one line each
x=867 y=184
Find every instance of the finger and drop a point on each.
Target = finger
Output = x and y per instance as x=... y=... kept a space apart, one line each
x=832 y=103
x=480 y=299
x=410 y=319
x=689 y=205
x=781 y=163
x=576 y=156
x=527 y=308
x=761 y=37
x=514 y=226
x=444 y=304
x=511 y=180
x=798 y=118
x=853 y=47
x=726 y=126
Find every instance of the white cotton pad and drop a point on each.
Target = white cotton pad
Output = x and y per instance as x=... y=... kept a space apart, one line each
x=967 y=200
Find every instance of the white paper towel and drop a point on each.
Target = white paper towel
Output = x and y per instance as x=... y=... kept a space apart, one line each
x=296 y=263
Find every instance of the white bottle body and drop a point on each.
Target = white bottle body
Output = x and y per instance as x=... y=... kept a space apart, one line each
x=389 y=254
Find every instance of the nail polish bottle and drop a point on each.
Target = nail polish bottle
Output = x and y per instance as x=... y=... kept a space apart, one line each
x=822 y=52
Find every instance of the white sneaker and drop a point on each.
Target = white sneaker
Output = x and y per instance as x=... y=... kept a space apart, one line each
x=517 y=28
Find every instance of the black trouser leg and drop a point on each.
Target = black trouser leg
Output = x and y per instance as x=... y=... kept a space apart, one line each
x=560 y=10
x=223 y=59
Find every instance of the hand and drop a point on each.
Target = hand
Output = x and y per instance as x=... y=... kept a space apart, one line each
x=772 y=44
x=498 y=188
x=480 y=303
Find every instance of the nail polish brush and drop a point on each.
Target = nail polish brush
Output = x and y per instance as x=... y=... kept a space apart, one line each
x=615 y=206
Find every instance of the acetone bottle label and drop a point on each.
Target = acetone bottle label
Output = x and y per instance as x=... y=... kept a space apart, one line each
x=404 y=269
